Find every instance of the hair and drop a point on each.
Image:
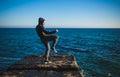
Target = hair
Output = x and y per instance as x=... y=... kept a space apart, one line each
x=40 y=21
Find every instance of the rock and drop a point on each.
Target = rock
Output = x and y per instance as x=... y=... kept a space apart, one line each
x=34 y=66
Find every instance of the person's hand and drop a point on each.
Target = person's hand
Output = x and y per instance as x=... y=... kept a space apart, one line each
x=56 y=30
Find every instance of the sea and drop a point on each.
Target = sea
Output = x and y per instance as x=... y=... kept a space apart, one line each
x=97 y=50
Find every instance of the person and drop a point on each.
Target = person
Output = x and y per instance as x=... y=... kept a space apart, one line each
x=45 y=37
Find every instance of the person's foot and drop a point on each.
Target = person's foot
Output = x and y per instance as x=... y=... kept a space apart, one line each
x=47 y=62
x=53 y=48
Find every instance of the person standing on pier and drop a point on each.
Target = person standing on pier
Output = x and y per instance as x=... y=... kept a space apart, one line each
x=45 y=37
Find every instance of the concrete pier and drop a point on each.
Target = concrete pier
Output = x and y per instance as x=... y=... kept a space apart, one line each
x=34 y=66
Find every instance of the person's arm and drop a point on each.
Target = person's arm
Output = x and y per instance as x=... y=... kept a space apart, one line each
x=48 y=32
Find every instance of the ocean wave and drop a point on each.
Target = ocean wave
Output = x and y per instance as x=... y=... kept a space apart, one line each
x=74 y=49
x=8 y=58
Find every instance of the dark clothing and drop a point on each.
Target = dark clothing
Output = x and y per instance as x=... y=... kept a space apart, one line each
x=45 y=38
x=42 y=33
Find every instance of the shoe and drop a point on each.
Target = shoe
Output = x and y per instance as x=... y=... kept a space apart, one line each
x=47 y=62
x=53 y=48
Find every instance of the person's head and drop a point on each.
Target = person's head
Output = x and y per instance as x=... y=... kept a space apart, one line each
x=41 y=21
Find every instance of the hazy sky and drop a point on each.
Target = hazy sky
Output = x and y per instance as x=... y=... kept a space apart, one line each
x=60 y=13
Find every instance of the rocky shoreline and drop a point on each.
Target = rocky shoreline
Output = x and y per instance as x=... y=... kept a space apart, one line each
x=33 y=66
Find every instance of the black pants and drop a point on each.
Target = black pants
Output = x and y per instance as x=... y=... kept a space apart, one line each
x=46 y=40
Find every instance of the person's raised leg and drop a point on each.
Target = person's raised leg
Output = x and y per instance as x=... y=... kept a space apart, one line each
x=55 y=40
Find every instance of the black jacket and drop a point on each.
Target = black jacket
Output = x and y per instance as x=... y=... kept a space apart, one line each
x=42 y=32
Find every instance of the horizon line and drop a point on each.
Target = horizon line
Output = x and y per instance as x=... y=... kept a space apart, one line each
x=61 y=27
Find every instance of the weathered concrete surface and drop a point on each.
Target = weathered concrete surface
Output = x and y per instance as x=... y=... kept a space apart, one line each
x=33 y=66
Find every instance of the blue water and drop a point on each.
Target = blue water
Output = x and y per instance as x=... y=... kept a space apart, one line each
x=97 y=50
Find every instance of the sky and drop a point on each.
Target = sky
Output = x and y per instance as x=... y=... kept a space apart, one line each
x=60 y=13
